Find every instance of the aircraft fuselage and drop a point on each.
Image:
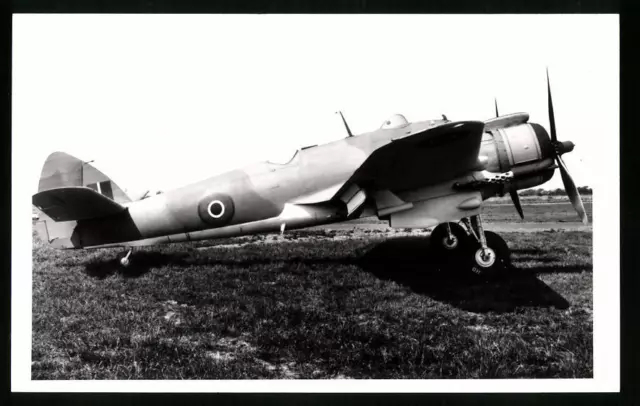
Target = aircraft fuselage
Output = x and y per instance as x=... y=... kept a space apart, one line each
x=264 y=197
x=254 y=197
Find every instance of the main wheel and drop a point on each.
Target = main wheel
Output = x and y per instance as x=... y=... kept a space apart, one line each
x=492 y=262
x=449 y=249
x=500 y=246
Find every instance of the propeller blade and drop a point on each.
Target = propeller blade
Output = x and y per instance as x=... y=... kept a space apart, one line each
x=495 y=101
x=552 y=120
x=572 y=191
x=516 y=201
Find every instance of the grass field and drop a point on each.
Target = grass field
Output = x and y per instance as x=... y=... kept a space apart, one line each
x=315 y=305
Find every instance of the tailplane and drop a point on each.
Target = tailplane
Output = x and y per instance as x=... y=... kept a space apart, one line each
x=75 y=203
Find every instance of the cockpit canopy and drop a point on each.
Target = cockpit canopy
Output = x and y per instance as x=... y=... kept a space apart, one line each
x=395 y=121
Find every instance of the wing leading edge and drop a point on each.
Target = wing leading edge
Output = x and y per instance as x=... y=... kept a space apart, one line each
x=428 y=157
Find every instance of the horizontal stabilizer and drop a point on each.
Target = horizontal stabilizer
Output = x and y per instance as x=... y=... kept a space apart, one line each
x=75 y=203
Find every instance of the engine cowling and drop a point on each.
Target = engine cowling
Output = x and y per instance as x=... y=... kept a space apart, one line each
x=523 y=149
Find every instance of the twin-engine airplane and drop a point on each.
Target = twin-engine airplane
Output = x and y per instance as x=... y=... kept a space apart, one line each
x=414 y=175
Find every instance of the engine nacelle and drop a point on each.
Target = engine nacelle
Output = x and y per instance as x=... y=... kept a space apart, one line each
x=523 y=149
x=532 y=180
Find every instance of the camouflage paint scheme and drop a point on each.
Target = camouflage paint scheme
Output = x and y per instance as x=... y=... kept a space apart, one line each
x=413 y=174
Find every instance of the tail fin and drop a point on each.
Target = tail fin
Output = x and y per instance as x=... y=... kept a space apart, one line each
x=63 y=170
x=62 y=200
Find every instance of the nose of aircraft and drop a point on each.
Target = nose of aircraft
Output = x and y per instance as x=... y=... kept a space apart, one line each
x=559 y=148
x=549 y=148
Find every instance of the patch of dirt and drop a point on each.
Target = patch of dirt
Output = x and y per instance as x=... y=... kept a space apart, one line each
x=481 y=328
x=234 y=344
x=341 y=376
x=283 y=369
x=229 y=348
x=220 y=356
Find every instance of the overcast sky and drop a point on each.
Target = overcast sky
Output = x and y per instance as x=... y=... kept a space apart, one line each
x=159 y=101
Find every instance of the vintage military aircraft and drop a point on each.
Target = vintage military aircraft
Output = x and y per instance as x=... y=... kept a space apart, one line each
x=415 y=175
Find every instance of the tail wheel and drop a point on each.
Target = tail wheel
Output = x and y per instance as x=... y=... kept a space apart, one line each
x=125 y=260
x=493 y=261
x=449 y=247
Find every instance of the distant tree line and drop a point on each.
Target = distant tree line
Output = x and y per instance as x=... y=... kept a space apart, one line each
x=583 y=190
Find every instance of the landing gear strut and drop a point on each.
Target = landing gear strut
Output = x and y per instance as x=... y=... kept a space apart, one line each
x=448 y=241
x=489 y=255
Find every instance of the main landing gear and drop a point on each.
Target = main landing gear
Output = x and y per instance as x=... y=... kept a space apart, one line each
x=483 y=253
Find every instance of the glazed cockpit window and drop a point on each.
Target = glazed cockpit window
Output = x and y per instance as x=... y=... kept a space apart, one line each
x=395 y=121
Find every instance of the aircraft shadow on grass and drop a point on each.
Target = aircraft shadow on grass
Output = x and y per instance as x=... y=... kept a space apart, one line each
x=406 y=261
x=409 y=262
x=143 y=262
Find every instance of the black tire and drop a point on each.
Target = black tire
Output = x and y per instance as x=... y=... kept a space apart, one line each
x=500 y=246
x=449 y=252
x=491 y=268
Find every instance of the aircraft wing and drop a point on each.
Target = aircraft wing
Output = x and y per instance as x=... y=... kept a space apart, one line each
x=427 y=157
x=75 y=203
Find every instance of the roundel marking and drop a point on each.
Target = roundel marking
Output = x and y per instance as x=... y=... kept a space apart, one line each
x=221 y=210
x=216 y=209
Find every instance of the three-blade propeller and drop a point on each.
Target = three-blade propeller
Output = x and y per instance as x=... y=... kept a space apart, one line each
x=559 y=149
